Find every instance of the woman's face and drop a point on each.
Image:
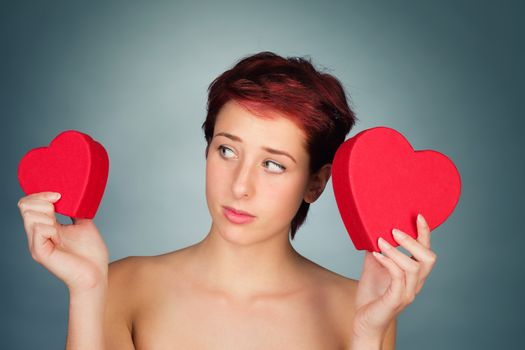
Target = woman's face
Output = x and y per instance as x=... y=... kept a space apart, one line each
x=255 y=165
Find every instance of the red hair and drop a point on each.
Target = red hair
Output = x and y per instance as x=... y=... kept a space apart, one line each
x=314 y=100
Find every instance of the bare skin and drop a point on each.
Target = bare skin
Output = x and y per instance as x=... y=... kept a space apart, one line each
x=243 y=286
x=158 y=302
x=167 y=303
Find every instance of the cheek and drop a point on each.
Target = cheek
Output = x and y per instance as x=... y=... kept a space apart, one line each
x=284 y=195
x=215 y=176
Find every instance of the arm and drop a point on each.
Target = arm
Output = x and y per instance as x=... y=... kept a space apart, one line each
x=388 y=342
x=100 y=318
x=77 y=255
x=389 y=282
x=86 y=315
x=120 y=303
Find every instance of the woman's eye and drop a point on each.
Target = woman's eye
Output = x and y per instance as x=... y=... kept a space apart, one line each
x=224 y=151
x=274 y=167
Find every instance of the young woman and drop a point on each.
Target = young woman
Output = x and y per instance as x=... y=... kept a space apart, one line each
x=272 y=129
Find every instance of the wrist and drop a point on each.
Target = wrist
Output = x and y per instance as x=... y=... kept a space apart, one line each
x=366 y=343
x=94 y=291
x=366 y=339
x=86 y=318
x=89 y=283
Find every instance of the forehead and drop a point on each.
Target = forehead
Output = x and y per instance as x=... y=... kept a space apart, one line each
x=269 y=128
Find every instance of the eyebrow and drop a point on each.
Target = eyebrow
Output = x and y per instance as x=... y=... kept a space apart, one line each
x=267 y=149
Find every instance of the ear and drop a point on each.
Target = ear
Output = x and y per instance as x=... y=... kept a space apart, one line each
x=317 y=183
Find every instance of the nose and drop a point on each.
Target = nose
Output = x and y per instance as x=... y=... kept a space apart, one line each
x=243 y=182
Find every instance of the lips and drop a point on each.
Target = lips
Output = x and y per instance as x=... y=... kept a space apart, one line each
x=237 y=216
x=238 y=212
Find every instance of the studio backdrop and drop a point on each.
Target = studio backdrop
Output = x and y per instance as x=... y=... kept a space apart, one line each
x=134 y=75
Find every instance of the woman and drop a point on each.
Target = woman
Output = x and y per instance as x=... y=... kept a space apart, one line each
x=272 y=129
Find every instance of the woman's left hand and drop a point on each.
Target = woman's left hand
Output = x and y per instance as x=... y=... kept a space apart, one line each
x=391 y=281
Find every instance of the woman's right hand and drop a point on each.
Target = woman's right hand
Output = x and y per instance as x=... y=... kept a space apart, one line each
x=75 y=253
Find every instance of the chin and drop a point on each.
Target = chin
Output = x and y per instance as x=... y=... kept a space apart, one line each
x=237 y=235
x=240 y=235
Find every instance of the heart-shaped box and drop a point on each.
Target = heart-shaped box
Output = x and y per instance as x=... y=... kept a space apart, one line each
x=74 y=165
x=381 y=183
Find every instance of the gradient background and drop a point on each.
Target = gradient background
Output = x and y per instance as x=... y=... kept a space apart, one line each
x=133 y=75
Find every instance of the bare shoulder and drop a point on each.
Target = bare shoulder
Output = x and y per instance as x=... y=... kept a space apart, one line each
x=338 y=288
x=129 y=271
x=334 y=300
x=132 y=281
x=120 y=302
x=132 y=277
x=328 y=277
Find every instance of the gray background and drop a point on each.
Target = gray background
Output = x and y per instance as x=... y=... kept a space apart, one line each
x=447 y=74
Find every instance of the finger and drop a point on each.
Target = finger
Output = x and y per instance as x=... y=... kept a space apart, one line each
x=423 y=231
x=37 y=216
x=410 y=268
x=47 y=232
x=45 y=239
x=401 y=259
x=32 y=217
x=37 y=205
x=48 y=196
x=423 y=255
x=41 y=197
x=420 y=285
x=395 y=292
x=426 y=267
x=419 y=252
x=429 y=259
x=413 y=246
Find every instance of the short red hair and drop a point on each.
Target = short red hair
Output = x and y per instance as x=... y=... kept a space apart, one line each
x=314 y=100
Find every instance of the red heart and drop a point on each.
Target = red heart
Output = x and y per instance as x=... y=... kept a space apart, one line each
x=74 y=165
x=381 y=183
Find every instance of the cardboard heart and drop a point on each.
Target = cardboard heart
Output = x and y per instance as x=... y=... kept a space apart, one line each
x=74 y=165
x=381 y=183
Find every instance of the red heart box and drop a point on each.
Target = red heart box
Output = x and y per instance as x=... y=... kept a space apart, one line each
x=74 y=165
x=381 y=183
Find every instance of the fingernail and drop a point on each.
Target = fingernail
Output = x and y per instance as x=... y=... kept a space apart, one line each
x=383 y=244
x=57 y=195
x=421 y=219
x=398 y=234
x=376 y=254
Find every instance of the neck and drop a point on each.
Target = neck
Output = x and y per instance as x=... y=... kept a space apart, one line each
x=243 y=271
